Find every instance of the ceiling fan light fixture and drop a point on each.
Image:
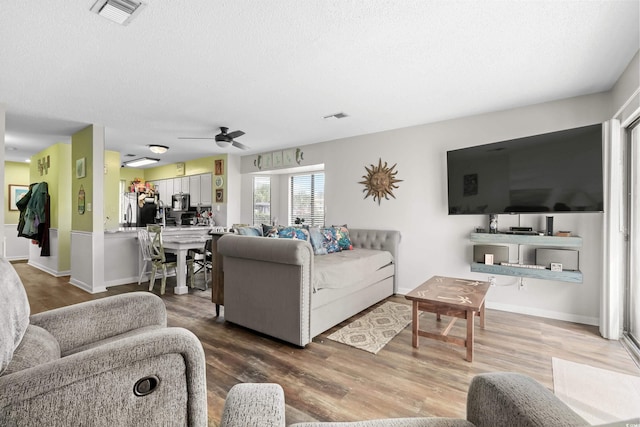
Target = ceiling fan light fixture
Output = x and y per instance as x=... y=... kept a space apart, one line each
x=158 y=149
x=118 y=11
x=143 y=161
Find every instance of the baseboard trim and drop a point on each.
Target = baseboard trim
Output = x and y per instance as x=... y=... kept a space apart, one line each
x=54 y=273
x=531 y=311
x=86 y=287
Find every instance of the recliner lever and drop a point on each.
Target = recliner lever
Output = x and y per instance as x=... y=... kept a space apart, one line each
x=146 y=385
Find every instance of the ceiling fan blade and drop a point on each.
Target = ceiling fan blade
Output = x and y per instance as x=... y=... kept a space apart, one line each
x=235 y=134
x=192 y=137
x=240 y=146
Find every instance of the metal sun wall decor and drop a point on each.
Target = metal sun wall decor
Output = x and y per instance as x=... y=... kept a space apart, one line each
x=380 y=181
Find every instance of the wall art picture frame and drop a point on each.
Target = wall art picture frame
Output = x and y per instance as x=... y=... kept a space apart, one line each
x=16 y=192
x=219 y=167
x=219 y=195
x=81 y=168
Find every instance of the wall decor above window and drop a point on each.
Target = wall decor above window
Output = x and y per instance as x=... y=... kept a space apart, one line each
x=380 y=181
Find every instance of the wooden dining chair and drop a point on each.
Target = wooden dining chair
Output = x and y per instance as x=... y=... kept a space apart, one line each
x=163 y=261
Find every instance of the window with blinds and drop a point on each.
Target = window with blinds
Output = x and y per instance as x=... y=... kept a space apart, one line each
x=261 y=200
x=307 y=199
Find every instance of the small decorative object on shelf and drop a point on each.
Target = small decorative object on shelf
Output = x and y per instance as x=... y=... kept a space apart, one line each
x=549 y=226
x=493 y=223
x=299 y=221
x=556 y=266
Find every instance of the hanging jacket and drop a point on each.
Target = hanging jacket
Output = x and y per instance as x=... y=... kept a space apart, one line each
x=36 y=212
x=22 y=207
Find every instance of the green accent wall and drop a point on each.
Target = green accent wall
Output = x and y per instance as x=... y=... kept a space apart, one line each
x=82 y=147
x=14 y=173
x=191 y=167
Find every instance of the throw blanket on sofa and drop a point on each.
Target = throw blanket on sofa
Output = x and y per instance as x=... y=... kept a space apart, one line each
x=342 y=269
x=14 y=312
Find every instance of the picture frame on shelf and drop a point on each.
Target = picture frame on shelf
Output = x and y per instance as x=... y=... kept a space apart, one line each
x=267 y=161
x=288 y=157
x=277 y=159
x=16 y=192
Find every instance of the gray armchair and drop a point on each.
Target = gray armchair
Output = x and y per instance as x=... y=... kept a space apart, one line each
x=106 y=362
x=494 y=399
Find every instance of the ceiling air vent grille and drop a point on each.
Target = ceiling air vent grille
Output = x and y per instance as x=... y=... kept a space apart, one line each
x=119 y=11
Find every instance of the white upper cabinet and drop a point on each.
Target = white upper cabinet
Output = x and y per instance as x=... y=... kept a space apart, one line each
x=206 y=189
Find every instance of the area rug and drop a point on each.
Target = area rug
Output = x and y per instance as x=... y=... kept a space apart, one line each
x=597 y=395
x=375 y=329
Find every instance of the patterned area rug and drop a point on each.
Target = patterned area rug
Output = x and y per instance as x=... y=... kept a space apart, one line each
x=375 y=329
x=597 y=395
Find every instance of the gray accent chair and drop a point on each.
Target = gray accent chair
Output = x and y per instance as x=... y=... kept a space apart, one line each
x=108 y=362
x=495 y=399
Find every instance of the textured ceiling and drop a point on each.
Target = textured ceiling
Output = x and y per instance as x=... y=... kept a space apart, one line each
x=274 y=68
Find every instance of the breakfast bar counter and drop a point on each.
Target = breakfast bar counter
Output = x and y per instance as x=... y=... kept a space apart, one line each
x=122 y=257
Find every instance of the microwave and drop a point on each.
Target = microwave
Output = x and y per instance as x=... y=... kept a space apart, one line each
x=180 y=202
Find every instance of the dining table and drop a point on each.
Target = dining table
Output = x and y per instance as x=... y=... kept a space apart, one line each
x=180 y=244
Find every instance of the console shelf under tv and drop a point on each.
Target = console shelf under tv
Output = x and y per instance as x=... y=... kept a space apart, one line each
x=528 y=240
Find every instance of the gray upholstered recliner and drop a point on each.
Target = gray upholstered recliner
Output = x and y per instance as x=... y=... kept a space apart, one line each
x=107 y=362
x=494 y=400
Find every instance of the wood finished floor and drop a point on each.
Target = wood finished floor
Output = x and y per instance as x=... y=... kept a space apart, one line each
x=329 y=381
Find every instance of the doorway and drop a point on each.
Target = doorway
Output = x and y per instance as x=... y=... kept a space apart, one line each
x=632 y=294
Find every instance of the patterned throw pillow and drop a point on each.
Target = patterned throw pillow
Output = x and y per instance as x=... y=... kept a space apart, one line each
x=317 y=239
x=270 y=230
x=293 y=233
x=342 y=235
x=324 y=240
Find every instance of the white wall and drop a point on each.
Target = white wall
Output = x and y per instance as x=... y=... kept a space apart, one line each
x=435 y=243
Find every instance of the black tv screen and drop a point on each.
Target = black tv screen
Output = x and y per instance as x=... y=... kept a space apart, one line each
x=553 y=172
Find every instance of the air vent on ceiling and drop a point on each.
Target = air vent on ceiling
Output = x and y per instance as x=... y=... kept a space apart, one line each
x=335 y=116
x=119 y=11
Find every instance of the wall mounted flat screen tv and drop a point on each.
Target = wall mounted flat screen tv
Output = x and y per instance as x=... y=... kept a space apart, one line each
x=554 y=172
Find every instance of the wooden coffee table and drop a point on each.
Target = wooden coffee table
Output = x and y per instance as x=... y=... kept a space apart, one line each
x=448 y=296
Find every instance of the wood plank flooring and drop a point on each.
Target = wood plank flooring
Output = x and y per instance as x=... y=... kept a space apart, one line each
x=329 y=381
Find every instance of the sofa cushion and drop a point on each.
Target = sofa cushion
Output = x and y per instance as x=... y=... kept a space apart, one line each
x=250 y=231
x=14 y=313
x=269 y=230
x=38 y=346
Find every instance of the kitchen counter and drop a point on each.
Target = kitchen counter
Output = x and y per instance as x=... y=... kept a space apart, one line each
x=122 y=256
x=168 y=229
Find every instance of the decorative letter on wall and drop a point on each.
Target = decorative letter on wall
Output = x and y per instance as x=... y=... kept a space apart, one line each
x=380 y=181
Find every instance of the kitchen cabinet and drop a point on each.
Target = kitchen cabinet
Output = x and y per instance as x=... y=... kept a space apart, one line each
x=206 y=189
x=201 y=190
x=164 y=191
x=194 y=190
x=176 y=184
